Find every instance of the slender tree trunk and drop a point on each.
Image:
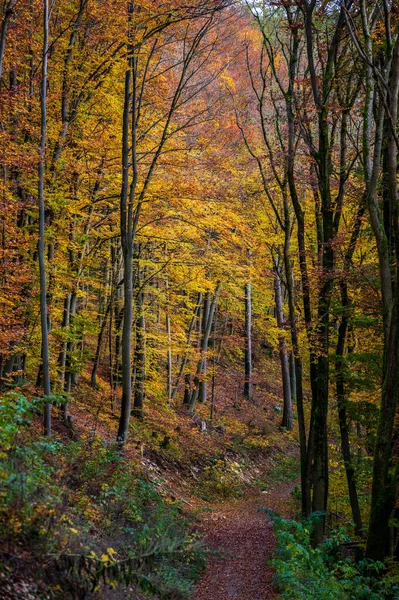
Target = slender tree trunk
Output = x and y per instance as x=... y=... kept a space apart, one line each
x=70 y=343
x=9 y=9
x=100 y=337
x=65 y=325
x=305 y=487
x=139 y=359
x=187 y=389
x=343 y=422
x=169 y=356
x=317 y=463
x=202 y=394
x=300 y=219
x=248 y=342
x=189 y=333
x=204 y=349
x=291 y=359
x=385 y=474
x=42 y=265
x=127 y=254
x=212 y=413
x=285 y=370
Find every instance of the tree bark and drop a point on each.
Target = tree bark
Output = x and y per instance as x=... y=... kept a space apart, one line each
x=203 y=392
x=385 y=482
x=204 y=349
x=41 y=245
x=8 y=12
x=248 y=342
x=285 y=370
x=126 y=225
x=139 y=359
x=189 y=333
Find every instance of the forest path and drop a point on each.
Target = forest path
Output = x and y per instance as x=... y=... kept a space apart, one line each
x=242 y=540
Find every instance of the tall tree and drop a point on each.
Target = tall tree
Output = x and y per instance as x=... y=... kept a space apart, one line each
x=41 y=243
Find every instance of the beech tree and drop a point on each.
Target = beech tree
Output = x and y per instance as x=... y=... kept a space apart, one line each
x=145 y=44
x=41 y=244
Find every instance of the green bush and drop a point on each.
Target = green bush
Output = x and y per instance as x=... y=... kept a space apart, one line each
x=325 y=572
x=29 y=493
x=90 y=512
x=222 y=478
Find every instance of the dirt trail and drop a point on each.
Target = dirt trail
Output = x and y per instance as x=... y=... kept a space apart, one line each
x=243 y=540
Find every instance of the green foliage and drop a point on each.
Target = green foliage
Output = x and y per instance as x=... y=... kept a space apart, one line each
x=325 y=572
x=28 y=493
x=147 y=526
x=221 y=478
x=53 y=497
x=287 y=469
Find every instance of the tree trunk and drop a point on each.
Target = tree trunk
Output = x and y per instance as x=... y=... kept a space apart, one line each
x=100 y=337
x=202 y=394
x=41 y=251
x=189 y=333
x=343 y=423
x=8 y=11
x=285 y=370
x=169 y=357
x=385 y=475
x=139 y=359
x=69 y=370
x=212 y=413
x=126 y=225
x=204 y=349
x=63 y=353
x=248 y=342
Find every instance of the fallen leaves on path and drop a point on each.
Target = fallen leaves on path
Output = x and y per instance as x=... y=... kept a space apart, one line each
x=241 y=540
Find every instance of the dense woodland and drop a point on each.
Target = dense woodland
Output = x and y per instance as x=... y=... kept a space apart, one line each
x=199 y=206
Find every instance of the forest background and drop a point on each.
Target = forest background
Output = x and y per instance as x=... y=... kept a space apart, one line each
x=194 y=197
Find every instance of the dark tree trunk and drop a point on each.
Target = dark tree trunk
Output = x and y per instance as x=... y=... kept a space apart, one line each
x=189 y=333
x=100 y=338
x=41 y=251
x=385 y=472
x=344 y=429
x=187 y=389
x=69 y=368
x=63 y=353
x=126 y=224
x=139 y=359
x=204 y=350
x=285 y=370
x=8 y=11
x=248 y=342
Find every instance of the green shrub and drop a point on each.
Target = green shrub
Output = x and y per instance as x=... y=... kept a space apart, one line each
x=29 y=493
x=90 y=512
x=325 y=572
x=221 y=479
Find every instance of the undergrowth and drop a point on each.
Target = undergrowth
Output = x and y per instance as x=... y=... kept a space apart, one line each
x=88 y=515
x=327 y=572
x=221 y=479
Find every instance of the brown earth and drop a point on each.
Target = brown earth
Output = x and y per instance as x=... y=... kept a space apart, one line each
x=241 y=540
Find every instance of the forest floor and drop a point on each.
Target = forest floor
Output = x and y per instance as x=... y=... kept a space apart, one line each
x=240 y=537
x=223 y=476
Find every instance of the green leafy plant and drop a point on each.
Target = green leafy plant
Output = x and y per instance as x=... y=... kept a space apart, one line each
x=221 y=478
x=54 y=495
x=325 y=572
